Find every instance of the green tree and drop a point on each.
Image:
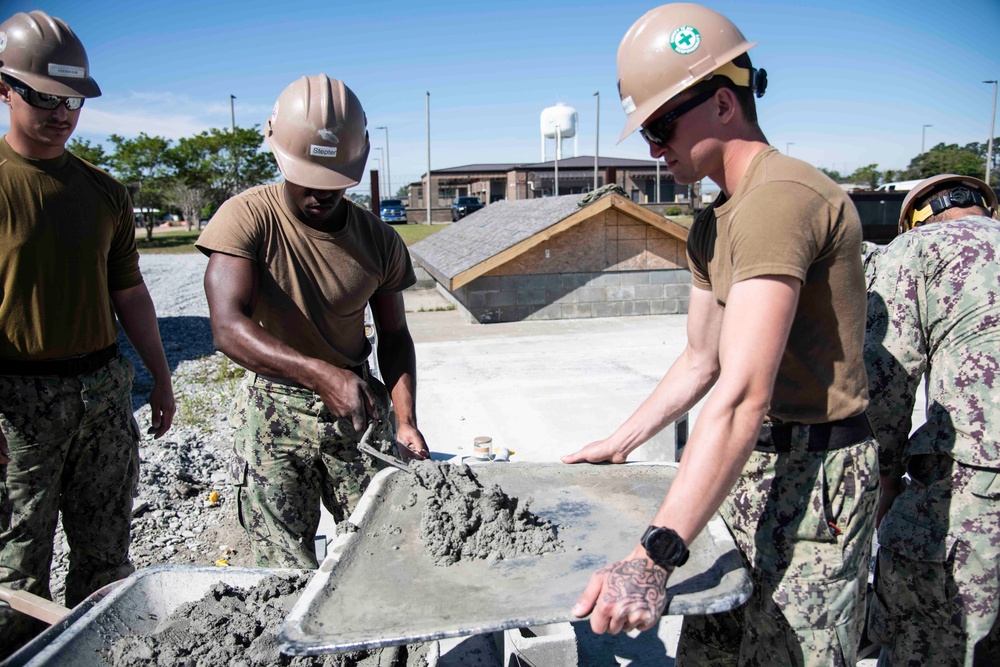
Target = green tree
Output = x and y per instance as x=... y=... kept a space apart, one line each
x=92 y=153
x=190 y=199
x=222 y=163
x=833 y=174
x=360 y=199
x=869 y=175
x=969 y=160
x=403 y=192
x=141 y=164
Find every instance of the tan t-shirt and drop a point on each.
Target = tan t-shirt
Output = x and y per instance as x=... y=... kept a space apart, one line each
x=67 y=237
x=786 y=218
x=313 y=285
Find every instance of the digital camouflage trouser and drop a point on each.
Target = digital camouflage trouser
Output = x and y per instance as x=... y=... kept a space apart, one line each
x=73 y=449
x=290 y=454
x=937 y=585
x=804 y=523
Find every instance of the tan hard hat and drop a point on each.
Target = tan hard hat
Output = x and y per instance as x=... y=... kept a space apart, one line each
x=318 y=134
x=42 y=52
x=668 y=50
x=909 y=217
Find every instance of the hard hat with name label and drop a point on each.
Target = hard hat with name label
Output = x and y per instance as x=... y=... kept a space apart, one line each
x=318 y=134
x=43 y=53
x=670 y=49
x=965 y=191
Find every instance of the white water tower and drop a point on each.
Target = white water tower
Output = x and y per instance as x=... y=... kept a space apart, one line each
x=559 y=122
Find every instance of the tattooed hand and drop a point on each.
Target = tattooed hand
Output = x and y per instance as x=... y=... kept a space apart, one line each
x=631 y=593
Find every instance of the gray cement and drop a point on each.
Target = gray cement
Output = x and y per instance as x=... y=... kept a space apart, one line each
x=464 y=519
x=239 y=627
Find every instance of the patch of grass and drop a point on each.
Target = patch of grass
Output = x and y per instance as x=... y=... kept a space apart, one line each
x=438 y=309
x=205 y=389
x=413 y=233
x=179 y=242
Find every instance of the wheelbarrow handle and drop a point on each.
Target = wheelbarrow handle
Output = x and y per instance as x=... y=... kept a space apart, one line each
x=33 y=605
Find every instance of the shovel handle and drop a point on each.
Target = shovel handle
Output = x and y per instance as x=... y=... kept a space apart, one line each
x=33 y=605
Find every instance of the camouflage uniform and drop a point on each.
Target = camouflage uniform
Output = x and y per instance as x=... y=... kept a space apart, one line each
x=74 y=449
x=808 y=561
x=290 y=453
x=934 y=313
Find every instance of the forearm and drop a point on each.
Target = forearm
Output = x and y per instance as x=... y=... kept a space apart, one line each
x=256 y=349
x=137 y=316
x=720 y=444
x=398 y=361
x=685 y=383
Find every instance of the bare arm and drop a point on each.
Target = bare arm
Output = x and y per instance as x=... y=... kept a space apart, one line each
x=689 y=378
x=398 y=361
x=758 y=317
x=231 y=288
x=137 y=315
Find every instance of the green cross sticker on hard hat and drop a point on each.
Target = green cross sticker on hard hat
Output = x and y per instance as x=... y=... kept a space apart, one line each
x=685 y=40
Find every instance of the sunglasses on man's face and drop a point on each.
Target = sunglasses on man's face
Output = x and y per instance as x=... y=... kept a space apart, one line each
x=42 y=100
x=660 y=131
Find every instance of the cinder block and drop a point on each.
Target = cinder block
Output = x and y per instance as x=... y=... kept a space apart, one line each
x=530 y=297
x=607 y=309
x=622 y=293
x=635 y=278
x=541 y=646
x=649 y=291
x=571 y=311
x=498 y=299
x=486 y=284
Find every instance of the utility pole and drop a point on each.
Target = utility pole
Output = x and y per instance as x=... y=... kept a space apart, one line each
x=923 y=137
x=232 y=113
x=427 y=189
x=787 y=144
x=597 y=136
x=989 y=150
x=380 y=163
x=388 y=174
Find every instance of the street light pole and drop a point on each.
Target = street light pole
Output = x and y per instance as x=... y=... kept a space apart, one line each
x=923 y=136
x=388 y=176
x=232 y=113
x=989 y=150
x=427 y=190
x=787 y=144
x=597 y=136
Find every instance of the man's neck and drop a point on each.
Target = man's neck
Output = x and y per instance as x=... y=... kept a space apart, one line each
x=31 y=149
x=737 y=154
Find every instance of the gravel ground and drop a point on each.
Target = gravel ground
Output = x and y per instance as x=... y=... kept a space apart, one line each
x=175 y=518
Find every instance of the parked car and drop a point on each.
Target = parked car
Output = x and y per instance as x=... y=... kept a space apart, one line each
x=392 y=210
x=463 y=206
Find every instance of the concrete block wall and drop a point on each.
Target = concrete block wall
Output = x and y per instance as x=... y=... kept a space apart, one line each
x=561 y=296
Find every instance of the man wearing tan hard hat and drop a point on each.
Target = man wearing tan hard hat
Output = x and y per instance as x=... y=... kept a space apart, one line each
x=69 y=275
x=292 y=267
x=775 y=329
x=934 y=316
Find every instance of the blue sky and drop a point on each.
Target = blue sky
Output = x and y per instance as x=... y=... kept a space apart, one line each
x=851 y=82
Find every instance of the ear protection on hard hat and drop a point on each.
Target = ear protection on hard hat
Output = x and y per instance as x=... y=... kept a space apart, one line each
x=753 y=78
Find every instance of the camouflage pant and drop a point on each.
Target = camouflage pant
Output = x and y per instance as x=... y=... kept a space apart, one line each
x=938 y=579
x=73 y=449
x=804 y=523
x=290 y=454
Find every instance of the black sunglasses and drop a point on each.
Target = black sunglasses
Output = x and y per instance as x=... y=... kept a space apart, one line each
x=660 y=131
x=41 y=100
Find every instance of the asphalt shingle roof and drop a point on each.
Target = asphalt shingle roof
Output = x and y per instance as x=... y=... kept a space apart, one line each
x=489 y=231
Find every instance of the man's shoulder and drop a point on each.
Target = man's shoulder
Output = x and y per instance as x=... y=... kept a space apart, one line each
x=973 y=238
x=98 y=175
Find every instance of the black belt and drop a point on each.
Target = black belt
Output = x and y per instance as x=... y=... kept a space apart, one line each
x=361 y=371
x=87 y=363
x=778 y=437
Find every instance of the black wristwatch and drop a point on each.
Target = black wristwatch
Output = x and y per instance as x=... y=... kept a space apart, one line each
x=665 y=547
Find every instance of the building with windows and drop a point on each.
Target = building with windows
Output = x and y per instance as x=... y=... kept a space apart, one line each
x=515 y=182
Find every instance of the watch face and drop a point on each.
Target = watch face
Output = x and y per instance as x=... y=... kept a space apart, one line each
x=665 y=547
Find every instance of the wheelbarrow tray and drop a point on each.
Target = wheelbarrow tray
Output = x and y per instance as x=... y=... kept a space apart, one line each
x=379 y=587
x=135 y=606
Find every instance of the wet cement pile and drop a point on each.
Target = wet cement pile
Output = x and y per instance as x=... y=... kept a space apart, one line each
x=463 y=519
x=239 y=627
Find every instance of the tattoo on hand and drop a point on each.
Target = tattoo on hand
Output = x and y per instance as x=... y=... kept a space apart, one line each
x=636 y=584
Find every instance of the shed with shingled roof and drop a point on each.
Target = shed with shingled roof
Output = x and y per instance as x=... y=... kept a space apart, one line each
x=561 y=258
